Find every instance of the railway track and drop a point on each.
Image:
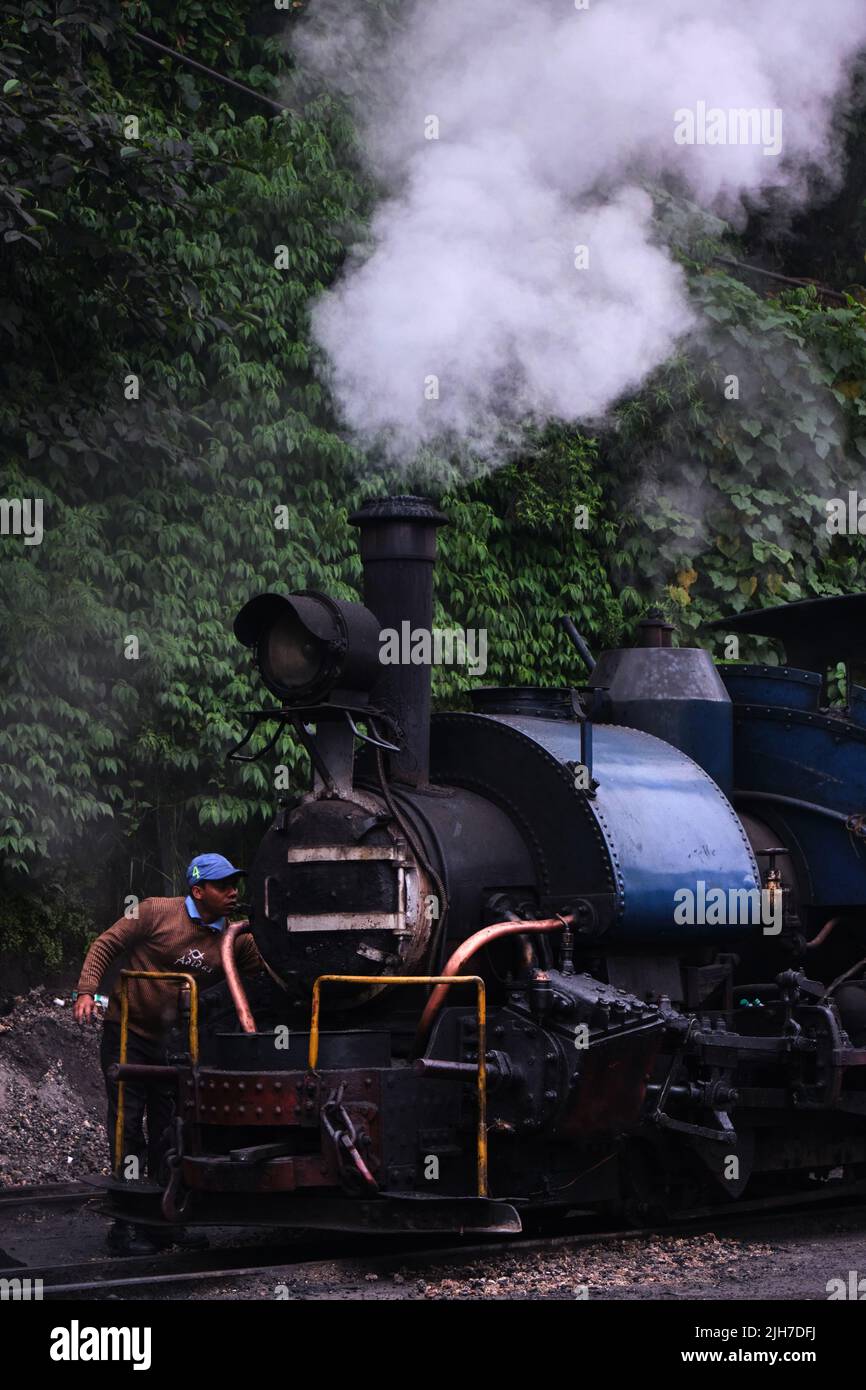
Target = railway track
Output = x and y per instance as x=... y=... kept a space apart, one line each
x=108 y=1276
x=39 y=1193
x=119 y=1277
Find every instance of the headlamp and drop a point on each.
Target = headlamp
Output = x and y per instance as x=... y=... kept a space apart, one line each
x=308 y=646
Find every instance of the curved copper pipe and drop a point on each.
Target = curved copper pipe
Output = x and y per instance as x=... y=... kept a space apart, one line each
x=823 y=934
x=467 y=948
x=233 y=979
x=527 y=953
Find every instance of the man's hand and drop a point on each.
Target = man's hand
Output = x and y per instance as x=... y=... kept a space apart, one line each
x=86 y=1009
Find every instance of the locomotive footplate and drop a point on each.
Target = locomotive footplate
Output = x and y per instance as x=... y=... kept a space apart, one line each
x=395 y=1214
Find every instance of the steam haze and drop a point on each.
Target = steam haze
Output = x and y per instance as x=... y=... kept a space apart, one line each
x=551 y=120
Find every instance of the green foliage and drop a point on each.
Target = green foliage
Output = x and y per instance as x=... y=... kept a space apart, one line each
x=730 y=508
x=155 y=257
x=514 y=558
x=43 y=931
x=155 y=260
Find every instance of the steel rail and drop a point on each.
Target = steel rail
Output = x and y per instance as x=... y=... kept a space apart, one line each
x=37 y=1193
x=351 y=1262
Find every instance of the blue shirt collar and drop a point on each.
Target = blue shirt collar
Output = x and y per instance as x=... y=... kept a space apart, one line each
x=194 y=913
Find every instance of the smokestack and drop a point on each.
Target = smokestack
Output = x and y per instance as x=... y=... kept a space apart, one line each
x=398 y=552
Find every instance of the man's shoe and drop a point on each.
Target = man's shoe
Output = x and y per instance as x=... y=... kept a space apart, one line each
x=126 y=1239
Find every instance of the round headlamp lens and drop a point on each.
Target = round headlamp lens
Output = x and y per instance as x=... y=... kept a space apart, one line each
x=292 y=656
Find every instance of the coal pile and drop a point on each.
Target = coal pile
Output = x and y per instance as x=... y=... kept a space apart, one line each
x=52 y=1099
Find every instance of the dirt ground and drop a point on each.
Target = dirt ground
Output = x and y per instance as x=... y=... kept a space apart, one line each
x=772 y=1264
x=52 y=1098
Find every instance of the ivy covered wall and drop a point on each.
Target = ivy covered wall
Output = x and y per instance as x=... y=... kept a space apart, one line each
x=163 y=237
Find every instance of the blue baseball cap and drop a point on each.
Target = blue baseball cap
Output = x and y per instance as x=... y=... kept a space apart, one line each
x=207 y=867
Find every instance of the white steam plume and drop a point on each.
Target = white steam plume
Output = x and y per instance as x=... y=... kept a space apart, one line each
x=550 y=120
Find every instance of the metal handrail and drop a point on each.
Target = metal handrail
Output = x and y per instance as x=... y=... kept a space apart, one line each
x=481 y=1014
x=125 y=977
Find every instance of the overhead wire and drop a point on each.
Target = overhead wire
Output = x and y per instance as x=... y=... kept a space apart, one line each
x=209 y=72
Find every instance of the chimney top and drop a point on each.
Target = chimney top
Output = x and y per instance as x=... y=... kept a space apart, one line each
x=407 y=508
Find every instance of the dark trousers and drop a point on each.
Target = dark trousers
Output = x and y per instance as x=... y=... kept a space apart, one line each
x=141 y=1101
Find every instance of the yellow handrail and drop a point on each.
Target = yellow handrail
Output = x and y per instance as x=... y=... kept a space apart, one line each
x=481 y=1013
x=125 y=977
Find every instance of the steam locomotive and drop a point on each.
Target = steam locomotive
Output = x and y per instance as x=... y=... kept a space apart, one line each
x=588 y=948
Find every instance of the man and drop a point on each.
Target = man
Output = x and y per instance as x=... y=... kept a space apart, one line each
x=169 y=934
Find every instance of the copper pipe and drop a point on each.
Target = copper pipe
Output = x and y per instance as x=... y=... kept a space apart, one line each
x=233 y=979
x=527 y=953
x=823 y=934
x=468 y=948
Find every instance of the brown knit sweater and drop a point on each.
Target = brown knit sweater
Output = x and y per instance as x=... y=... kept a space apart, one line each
x=162 y=937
